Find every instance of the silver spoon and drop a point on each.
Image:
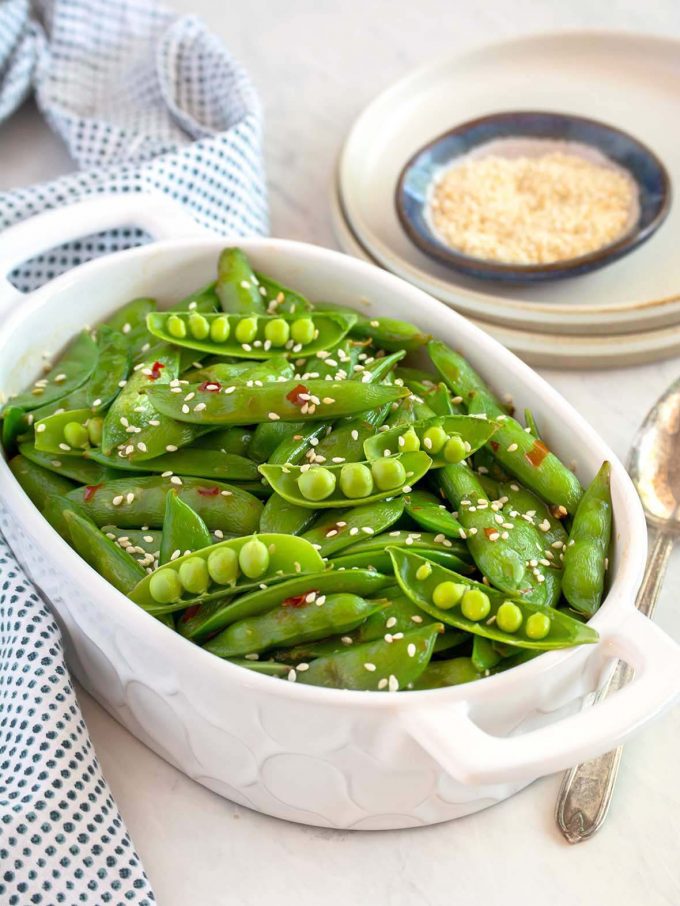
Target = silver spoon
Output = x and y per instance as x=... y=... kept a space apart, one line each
x=587 y=789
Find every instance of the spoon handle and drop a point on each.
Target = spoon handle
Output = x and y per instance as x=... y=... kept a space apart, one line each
x=587 y=789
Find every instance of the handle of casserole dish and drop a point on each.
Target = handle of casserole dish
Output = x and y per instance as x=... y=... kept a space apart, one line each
x=157 y=214
x=472 y=756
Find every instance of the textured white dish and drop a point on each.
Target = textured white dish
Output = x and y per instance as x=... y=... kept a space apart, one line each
x=319 y=756
x=638 y=90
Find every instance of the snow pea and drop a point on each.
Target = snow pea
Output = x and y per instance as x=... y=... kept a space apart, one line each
x=237 y=287
x=251 y=336
x=537 y=626
x=381 y=666
x=281 y=299
x=324 y=486
x=226 y=568
x=431 y=514
x=66 y=464
x=384 y=333
x=38 y=483
x=285 y=400
x=135 y=501
x=279 y=515
x=585 y=555
x=71 y=371
x=103 y=554
x=446 y=439
x=439 y=674
x=334 y=531
x=288 y=625
x=183 y=529
x=186 y=461
x=215 y=615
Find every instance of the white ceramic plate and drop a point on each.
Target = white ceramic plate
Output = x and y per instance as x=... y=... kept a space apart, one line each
x=637 y=81
x=550 y=350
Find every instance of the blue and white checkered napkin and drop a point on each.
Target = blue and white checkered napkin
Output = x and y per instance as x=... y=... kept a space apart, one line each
x=145 y=101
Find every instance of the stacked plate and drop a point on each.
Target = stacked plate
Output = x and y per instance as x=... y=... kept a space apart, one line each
x=626 y=313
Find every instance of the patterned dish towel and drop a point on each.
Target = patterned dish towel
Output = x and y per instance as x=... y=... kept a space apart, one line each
x=145 y=101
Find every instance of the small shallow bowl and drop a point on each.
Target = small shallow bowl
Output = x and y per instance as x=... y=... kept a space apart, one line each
x=601 y=140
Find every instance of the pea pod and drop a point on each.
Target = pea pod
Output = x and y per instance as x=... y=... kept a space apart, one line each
x=439 y=399
x=381 y=666
x=67 y=464
x=103 y=555
x=225 y=569
x=269 y=436
x=268 y=668
x=531 y=424
x=325 y=486
x=418 y=541
x=276 y=368
x=287 y=518
x=379 y=559
x=204 y=299
x=454 y=672
x=38 y=483
x=332 y=532
x=585 y=556
x=538 y=626
x=215 y=615
x=484 y=655
x=136 y=501
x=237 y=287
x=15 y=420
x=281 y=299
x=431 y=514
x=461 y=377
x=250 y=336
x=290 y=625
x=71 y=371
x=235 y=440
x=183 y=529
x=73 y=430
x=521 y=503
x=197 y=463
x=130 y=320
x=285 y=400
x=142 y=544
x=446 y=439
x=113 y=365
x=385 y=333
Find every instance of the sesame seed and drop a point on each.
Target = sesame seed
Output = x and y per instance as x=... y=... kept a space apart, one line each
x=370 y=667
x=411 y=650
x=393 y=683
x=117 y=500
x=416 y=618
x=175 y=479
x=64 y=447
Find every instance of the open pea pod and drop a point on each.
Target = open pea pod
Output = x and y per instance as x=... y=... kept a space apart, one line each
x=279 y=298
x=73 y=430
x=254 y=336
x=445 y=438
x=323 y=486
x=104 y=555
x=215 y=615
x=238 y=404
x=223 y=569
x=183 y=529
x=432 y=514
x=70 y=465
x=537 y=626
x=186 y=461
x=332 y=532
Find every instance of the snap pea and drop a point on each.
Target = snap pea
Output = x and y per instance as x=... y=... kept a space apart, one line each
x=237 y=287
x=484 y=656
x=15 y=421
x=406 y=412
x=204 y=299
x=195 y=462
x=38 y=483
x=269 y=436
x=66 y=464
x=454 y=672
x=235 y=441
x=285 y=400
x=73 y=430
x=131 y=317
x=142 y=544
x=323 y=486
x=250 y=336
x=520 y=502
x=183 y=529
x=380 y=560
x=281 y=299
x=418 y=541
x=269 y=668
x=136 y=501
x=228 y=568
x=461 y=377
x=531 y=423
x=334 y=531
x=103 y=555
x=279 y=515
x=432 y=584
x=385 y=333
x=381 y=666
x=113 y=366
x=215 y=615
x=446 y=439
x=73 y=368
x=292 y=625
x=585 y=555
x=431 y=514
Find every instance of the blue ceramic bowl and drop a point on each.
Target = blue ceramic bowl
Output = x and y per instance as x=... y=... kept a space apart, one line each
x=646 y=169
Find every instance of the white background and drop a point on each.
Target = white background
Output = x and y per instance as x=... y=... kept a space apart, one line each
x=316 y=63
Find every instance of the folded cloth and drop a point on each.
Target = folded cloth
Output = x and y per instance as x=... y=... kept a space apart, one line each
x=145 y=101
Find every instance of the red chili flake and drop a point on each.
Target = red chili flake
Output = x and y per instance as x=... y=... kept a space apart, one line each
x=537 y=453
x=210 y=386
x=156 y=369
x=296 y=600
x=189 y=613
x=209 y=492
x=90 y=491
x=558 y=512
x=490 y=531
x=294 y=395
x=494 y=445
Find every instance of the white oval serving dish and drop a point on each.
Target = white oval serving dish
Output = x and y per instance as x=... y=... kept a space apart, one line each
x=318 y=756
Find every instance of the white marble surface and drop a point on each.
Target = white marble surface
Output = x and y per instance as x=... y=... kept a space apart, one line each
x=316 y=63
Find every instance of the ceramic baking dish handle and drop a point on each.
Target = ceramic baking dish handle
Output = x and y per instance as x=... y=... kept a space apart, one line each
x=472 y=756
x=158 y=215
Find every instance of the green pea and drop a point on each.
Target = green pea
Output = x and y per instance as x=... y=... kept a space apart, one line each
x=475 y=604
x=508 y=617
x=95 y=428
x=537 y=626
x=193 y=574
x=434 y=439
x=356 y=480
x=447 y=594
x=423 y=572
x=76 y=435
x=165 y=586
x=198 y=325
x=246 y=330
x=409 y=442
x=388 y=473
x=253 y=558
x=454 y=450
x=176 y=327
x=317 y=483
x=302 y=330
x=277 y=332
x=223 y=566
x=219 y=329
